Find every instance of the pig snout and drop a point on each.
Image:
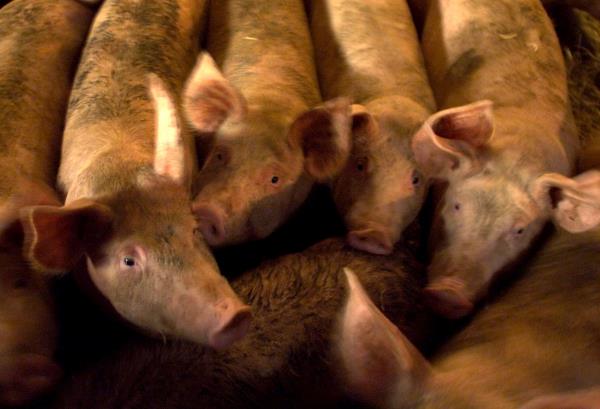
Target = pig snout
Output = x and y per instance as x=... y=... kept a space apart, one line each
x=233 y=321
x=456 y=283
x=26 y=376
x=217 y=323
x=211 y=223
x=447 y=296
x=372 y=240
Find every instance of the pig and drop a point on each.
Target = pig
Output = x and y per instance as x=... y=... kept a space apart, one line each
x=284 y=361
x=256 y=104
x=40 y=41
x=369 y=51
x=536 y=345
x=503 y=145
x=127 y=216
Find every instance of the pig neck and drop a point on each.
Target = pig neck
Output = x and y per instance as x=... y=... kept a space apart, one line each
x=398 y=115
x=369 y=50
x=109 y=172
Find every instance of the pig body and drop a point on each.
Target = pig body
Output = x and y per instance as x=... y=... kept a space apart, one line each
x=267 y=146
x=539 y=341
x=40 y=41
x=127 y=212
x=504 y=148
x=284 y=361
x=370 y=53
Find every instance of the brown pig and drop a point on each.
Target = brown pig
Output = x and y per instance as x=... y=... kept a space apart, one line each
x=127 y=213
x=268 y=145
x=285 y=360
x=40 y=41
x=504 y=145
x=369 y=51
x=538 y=341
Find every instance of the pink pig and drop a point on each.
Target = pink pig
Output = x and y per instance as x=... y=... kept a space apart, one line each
x=40 y=41
x=268 y=145
x=505 y=147
x=369 y=51
x=126 y=170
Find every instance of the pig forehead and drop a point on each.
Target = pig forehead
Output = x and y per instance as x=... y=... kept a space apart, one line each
x=492 y=194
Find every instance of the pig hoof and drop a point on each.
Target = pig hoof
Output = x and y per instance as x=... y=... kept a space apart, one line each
x=448 y=300
x=26 y=377
x=234 y=329
x=370 y=240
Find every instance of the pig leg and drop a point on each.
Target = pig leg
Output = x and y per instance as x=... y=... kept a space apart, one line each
x=586 y=399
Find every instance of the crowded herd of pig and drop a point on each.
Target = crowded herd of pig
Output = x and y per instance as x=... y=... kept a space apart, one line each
x=296 y=204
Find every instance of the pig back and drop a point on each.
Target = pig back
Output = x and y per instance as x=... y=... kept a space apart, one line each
x=110 y=120
x=369 y=50
x=40 y=42
x=507 y=52
x=264 y=48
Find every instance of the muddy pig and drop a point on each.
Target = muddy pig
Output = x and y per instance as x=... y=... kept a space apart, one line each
x=269 y=142
x=538 y=338
x=40 y=41
x=369 y=51
x=127 y=212
x=284 y=361
x=503 y=146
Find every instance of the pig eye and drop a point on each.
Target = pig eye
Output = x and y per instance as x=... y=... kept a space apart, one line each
x=129 y=261
x=457 y=206
x=361 y=164
x=416 y=179
x=275 y=180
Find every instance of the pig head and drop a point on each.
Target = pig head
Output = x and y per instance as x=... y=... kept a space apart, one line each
x=380 y=190
x=141 y=245
x=262 y=162
x=490 y=211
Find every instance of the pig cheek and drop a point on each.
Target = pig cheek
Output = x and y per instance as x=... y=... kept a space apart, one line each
x=269 y=213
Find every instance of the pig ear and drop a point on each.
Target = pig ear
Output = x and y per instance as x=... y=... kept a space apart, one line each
x=379 y=362
x=172 y=158
x=29 y=193
x=209 y=99
x=451 y=139
x=364 y=127
x=57 y=237
x=577 y=205
x=323 y=134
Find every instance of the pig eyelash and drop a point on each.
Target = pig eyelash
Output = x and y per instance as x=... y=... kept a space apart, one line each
x=129 y=261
